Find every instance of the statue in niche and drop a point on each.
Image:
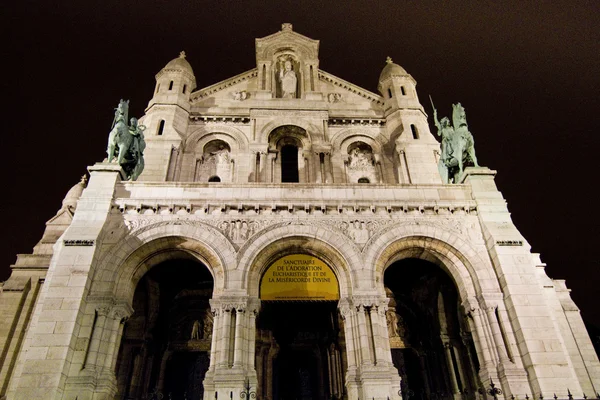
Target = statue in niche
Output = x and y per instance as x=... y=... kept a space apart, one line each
x=221 y=156
x=207 y=326
x=287 y=79
x=392 y=323
x=457 y=147
x=360 y=158
x=195 y=330
x=126 y=142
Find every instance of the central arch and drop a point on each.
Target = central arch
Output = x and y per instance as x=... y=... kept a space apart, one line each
x=300 y=340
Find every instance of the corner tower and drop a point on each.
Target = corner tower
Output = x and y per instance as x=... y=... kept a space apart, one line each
x=407 y=126
x=167 y=117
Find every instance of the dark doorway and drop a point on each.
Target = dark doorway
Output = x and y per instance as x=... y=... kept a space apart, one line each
x=185 y=373
x=166 y=342
x=300 y=351
x=289 y=164
x=427 y=333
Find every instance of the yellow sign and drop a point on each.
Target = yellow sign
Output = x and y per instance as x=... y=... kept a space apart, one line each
x=299 y=277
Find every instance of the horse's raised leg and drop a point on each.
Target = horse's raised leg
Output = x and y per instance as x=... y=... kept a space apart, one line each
x=472 y=156
x=110 y=152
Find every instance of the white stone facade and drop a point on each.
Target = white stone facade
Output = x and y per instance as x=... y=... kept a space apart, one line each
x=236 y=175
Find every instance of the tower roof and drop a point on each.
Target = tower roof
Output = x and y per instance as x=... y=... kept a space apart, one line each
x=391 y=69
x=179 y=64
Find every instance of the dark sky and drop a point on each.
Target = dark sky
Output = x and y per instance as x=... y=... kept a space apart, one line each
x=528 y=74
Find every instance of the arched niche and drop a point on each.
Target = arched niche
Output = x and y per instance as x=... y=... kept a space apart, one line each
x=215 y=163
x=289 y=161
x=361 y=166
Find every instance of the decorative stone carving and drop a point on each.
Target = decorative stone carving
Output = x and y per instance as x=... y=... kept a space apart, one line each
x=334 y=97
x=241 y=95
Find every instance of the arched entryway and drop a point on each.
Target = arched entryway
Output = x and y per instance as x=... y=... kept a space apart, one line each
x=431 y=345
x=167 y=340
x=300 y=342
x=286 y=161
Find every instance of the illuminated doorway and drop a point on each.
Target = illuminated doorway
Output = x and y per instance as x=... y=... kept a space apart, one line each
x=300 y=345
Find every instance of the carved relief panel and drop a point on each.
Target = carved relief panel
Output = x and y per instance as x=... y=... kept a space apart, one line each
x=215 y=163
x=361 y=167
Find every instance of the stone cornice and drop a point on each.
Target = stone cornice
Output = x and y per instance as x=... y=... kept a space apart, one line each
x=217 y=87
x=357 y=90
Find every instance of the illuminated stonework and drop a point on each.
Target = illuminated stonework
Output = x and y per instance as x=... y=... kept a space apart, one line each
x=154 y=287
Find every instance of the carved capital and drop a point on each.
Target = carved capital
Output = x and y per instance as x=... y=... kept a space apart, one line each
x=103 y=311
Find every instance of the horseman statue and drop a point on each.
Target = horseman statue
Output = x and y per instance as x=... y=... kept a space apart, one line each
x=457 y=147
x=126 y=142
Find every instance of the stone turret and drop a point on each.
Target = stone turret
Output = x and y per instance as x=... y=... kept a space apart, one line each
x=407 y=125
x=167 y=117
x=397 y=87
x=174 y=83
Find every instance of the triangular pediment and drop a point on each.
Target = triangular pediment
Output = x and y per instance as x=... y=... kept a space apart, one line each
x=227 y=88
x=330 y=83
x=286 y=39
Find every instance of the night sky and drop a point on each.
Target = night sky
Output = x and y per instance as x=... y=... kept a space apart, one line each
x=528 y=74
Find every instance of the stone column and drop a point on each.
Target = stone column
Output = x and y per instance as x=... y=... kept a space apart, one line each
x=480 y=341
x=379 y=167
x=253 y=307
x=225 y=339
x=403 y=175
x=316 y=165
x=115 y=326
x=328 y=168
x=496 y=334
x=375 y=377
x=96 y=339
x=214 y=351
x=263 y=167
x=451 y=372
x=365 y=346
x=305 y=162
x=271 y=162
x=240 y=337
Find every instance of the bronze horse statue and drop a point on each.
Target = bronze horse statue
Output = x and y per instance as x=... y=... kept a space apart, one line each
x=119 y=138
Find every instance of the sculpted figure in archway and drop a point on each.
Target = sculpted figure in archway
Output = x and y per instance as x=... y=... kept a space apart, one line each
x=288 y=80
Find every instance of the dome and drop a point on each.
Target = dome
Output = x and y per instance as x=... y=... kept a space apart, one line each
x=180 y=64
x=74 y=193
x=391 y=69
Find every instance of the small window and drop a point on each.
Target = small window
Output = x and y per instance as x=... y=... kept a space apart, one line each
x=363 y=180
x=390 y=93
x=171 y=85
x=157 y=88
x=415 y=132
x=184 y=88
x=403 y=90
x=161 y=127
x=214 y=179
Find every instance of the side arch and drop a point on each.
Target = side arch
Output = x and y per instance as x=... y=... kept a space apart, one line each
x=471 y=274
x=124 y=265
x=265 y=131
x=343 y=139
x=236 y=139
x=333 y=248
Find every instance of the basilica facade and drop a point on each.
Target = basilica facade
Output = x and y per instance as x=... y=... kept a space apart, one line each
x=291 y=236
